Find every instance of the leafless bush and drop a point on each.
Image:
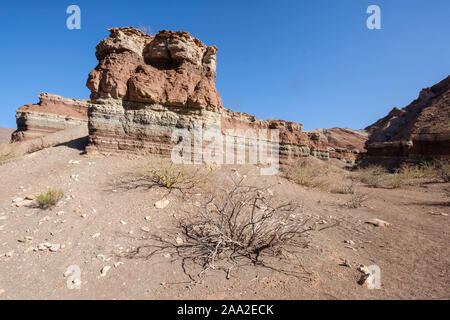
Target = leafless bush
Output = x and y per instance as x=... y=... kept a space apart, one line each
x=344 y=188
x=356 y=201
x=241 y=222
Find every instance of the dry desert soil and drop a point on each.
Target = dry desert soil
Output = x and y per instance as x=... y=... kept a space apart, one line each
x=102 y=220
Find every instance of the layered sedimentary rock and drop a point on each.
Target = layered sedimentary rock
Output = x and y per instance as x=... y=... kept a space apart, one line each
x=147 y=88
x=53 y=113
x=342 y=143
x=420 y=130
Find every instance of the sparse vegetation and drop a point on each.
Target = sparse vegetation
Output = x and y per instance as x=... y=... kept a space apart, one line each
x=306 y=174
x=397 y=180
x=241 y=222
x=174 y=176
x=418 y=171
x=50 y=198
x=371 y=175
x=443 y=171
x=356 y=201
x=344 y=188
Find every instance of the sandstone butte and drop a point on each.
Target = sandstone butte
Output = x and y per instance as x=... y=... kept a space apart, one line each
x=144 y=87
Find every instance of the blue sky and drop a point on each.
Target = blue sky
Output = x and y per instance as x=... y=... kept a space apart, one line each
x=313 y=62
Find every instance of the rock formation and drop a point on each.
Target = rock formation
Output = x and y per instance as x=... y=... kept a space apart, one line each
x=421 y=130
x=53 y=113
x=146 y=87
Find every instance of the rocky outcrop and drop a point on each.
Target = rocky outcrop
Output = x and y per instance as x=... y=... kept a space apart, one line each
x=420 y=130
x=172 y=69
x=145 y=88
x=53 y=113
x=342 y=143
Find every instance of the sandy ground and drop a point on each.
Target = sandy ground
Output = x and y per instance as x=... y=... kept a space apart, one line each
x=5 y=135
x=97 y=223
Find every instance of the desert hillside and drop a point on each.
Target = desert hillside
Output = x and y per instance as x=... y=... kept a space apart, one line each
x=5 y=135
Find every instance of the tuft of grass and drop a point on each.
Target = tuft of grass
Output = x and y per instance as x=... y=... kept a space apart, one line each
x=418 y=171
x=50 y=198
x=304 y=173
x=372 y=175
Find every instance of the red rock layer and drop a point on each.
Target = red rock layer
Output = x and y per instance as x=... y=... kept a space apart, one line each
x=52 y=113
x=146 y=87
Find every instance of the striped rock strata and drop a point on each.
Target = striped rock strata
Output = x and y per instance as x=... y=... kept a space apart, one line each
x=53 y=113
x=146 y=91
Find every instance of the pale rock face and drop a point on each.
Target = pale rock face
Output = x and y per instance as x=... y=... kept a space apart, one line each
x=123 y=39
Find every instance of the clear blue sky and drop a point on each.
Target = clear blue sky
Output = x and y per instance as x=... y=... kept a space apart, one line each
x=313 y=62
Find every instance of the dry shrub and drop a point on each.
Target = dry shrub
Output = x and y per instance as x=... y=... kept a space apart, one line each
x=49 y=198
x=418 y=171
x=237 y=226
x=173 y=176
x=344 y=188
x=397 y=180
x=6 y=153
x=372 y=175
x=356 y=201
x=306 y=173
x=444 y=172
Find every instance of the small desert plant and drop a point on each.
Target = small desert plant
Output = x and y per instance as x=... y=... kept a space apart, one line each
x=173 y=176
x=397 y=180
x=417 y=171
x=443 y=171
x=344 y=188
x=372 y=175
x=49 y=198
x=306 y=174
x=356 y=201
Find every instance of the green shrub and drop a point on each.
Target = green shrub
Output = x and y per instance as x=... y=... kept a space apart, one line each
x=50 y=198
